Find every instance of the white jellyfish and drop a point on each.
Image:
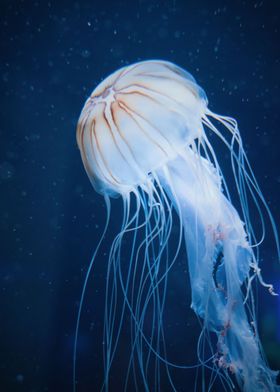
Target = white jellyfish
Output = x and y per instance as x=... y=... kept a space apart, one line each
x=143 y=134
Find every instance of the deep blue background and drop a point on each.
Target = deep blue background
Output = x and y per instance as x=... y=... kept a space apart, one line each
x=52 y=55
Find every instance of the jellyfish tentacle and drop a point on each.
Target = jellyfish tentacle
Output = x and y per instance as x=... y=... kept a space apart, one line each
x=89 y=270
x=246 y=183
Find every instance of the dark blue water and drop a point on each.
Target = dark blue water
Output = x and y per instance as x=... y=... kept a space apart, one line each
x=52 y=55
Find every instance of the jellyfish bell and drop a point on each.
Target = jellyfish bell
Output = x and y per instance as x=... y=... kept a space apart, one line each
x=143 y=132
x=135 y=121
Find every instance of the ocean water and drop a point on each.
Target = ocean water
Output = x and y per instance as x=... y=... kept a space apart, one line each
x=53 y=55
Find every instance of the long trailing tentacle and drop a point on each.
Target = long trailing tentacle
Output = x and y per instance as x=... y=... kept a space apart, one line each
x=89 y=270
x=246 y=185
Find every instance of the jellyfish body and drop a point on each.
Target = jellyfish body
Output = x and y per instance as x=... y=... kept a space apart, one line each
x=143 y=134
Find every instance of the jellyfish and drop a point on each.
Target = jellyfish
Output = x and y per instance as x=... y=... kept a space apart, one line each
x=145 y=134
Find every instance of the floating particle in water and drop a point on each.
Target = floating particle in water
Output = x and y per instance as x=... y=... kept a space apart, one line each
x=86 y=53
x=19 y=378
x=7 y=170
